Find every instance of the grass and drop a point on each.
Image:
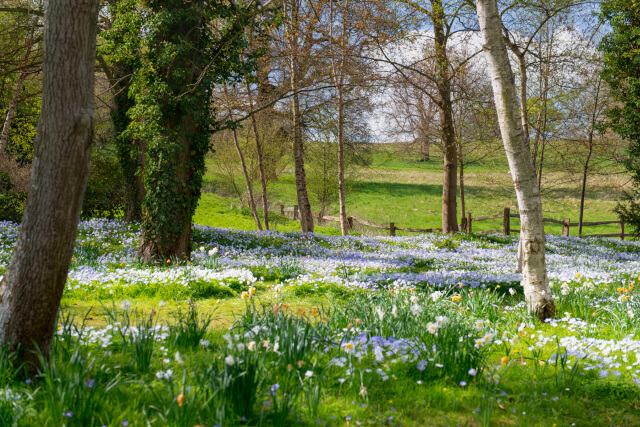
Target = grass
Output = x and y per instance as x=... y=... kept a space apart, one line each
x=399 y=189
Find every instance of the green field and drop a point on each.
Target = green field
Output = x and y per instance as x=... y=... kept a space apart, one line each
x=397 y=188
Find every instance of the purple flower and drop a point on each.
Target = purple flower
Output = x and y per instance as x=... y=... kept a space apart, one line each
x=68 y=414
x=90 y=383
x=125 y=423
x=27 y=381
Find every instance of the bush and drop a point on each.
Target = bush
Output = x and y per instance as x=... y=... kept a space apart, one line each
x=11 y=203
x=104 y=197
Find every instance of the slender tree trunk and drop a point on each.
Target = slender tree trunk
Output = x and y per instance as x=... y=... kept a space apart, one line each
x=344 y=225
x=462 y=210
x=243 y=163
x=263 y=179
x=304 y=206
x=11 y=112
x=449 y=211
x=584 y=183
x=534 y=277
x=32 y=287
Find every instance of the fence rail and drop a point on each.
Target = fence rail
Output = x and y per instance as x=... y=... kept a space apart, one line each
x=467 y=224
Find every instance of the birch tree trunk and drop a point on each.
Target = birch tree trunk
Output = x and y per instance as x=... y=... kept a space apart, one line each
x=534 y=273
x=32 y=287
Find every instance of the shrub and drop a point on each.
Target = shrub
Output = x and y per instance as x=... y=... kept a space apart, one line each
x=104 y=197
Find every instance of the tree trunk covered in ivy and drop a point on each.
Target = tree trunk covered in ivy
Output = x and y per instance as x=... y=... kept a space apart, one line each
x=180 y=58
x=32 y=287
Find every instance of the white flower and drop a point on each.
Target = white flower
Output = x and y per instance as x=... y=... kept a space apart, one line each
x=308 y=374
x=229 y=360
x=201 y=248
x=204 y=343
x=251 y=345
x=630 y=314
x=380 y=313
x=432 y=328
x=435 y=296
x=178 y=358
x=349 y=347
x=125 y=305
x=414 y=299
x=472 y=372
x=416 y=309
x=161 y=303
x=213 y=251
x=512 y=291
x=394 y=311
x=441 y=320
x=479 y=324
x=240 y=346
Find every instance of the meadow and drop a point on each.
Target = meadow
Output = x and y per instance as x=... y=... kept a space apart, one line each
x=396 y=187
x=281 y=328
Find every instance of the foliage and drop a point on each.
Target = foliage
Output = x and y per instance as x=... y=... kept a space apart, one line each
x=104 y=196
x=172 y=113
x=621 y=71
x=11 y=204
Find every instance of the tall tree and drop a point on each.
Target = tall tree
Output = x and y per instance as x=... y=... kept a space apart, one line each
x=32 y=287
x=534 y=271
x=187 y=48
x=621 y=52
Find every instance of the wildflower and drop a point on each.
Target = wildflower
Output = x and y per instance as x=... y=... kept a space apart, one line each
x=300 y=363
x=251 y=345
x=229 y=360
x=630 y=314
x=68 y=414
x=204 y=343
x=578 y=275
x=479 y=324
x=380 y=313
x=472 y=372
x=512 y=291
x=178 y=358
x=245 y=295
x=463 y=383
x=161 y=303
x=414 y=299
x=432 y=328
x=504 y=360
x=456 y=298
x=441 y=320
x=168 y=261
x=252 y=290
x=213 y=251
x=180 y=399
x=435 y=296
x=394 y=311
x=363 y=390
x=348 y=347
x=201 y=248
x=308 y=374
x=416 y=309
x=125 y=305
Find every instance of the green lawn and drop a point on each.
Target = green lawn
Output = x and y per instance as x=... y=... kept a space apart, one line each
x=409 y=193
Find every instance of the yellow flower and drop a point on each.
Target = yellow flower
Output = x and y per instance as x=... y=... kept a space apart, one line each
x=180 y=399
x=168 y=261
x=456 y=298
x=245 y=295
x=504 y=360
x=578 y=275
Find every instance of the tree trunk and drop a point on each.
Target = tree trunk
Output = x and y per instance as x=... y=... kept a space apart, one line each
x=534 y=277
x=449 y=211
x=263 y=179
x=462 y=210
x=584 y=183
x=32 y=287
x=243 y=163
x=304 y=206
x=11 y=113
x=344 y=225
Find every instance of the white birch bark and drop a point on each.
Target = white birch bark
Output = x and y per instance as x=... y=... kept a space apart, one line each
x=534 y=273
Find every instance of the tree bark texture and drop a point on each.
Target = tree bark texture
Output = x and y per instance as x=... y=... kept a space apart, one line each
x=534 y=273
x=450 y=179
x=32 y=287
x=304 y=206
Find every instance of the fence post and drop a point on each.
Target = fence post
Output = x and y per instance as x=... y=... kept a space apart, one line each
x=350 y=222
x=469 y=219
x=295 y=212
x=392 y=229
x=506 y=221
x=282 y=210
x=621 y=229
x=565 y=227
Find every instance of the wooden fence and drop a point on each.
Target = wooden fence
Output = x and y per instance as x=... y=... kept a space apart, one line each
x=467 y=224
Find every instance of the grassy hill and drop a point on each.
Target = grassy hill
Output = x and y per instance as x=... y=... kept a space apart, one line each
x=398 y=188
